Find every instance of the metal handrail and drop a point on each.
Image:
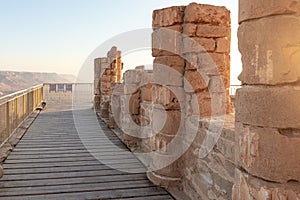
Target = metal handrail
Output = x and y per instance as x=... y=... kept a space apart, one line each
x=11 y=96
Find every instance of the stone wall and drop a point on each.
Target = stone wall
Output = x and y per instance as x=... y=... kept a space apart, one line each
x=267 y=110
x=181 y=113
x=107 y=71
x=191 y=46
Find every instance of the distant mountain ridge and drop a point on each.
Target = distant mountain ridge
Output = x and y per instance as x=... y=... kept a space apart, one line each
x=13 y=81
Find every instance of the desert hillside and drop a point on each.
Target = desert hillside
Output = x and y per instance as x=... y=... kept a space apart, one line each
x=11 y=81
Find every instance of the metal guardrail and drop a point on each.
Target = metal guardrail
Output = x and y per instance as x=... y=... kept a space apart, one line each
x=233 y=88
x=14 y=108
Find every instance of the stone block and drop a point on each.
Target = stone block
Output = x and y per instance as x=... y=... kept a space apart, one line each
x=130 y=103
x=215 y=31
x=166 y=42
x=252 y=188
x=167 y=122
x=207 y=14
x=268 y=107
x=190 y=29
x=223 y=45
x=194 y=81
x=269 y=153
x=256 y=9
x=206 y=104
x=169 y=97
x=174 y=62
x=209 y=63
x=166 y=76
x=146 y=93
x=218 y=84
x=130 y=88
x=270 y=57
x=167 y=16
x=133 y=76
x=196 y=45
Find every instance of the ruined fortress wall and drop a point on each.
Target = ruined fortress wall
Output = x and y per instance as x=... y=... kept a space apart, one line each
x=267 y=106
x=191 y=46
x=107 y=71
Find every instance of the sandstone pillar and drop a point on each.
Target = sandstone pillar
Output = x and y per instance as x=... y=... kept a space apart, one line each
x=107 y=71
x=267 y=106
x=191 y=46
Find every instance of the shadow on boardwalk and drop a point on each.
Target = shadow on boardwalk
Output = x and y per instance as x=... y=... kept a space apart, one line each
x=52 y=162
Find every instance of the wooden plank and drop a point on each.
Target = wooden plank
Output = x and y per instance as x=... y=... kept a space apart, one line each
x=70 y=159
x=51 y=162
x=86 y=187
x=65 y=164
x=72 y=169
x=57 y=175
x=107 y=194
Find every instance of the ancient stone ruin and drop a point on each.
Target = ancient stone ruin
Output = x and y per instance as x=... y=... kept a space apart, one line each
x=178 y=118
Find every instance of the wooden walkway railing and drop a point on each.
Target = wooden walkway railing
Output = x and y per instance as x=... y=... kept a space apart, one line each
x=14 y=108
x=51 y=162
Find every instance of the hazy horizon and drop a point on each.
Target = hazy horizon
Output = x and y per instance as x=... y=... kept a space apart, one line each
x=59 y=36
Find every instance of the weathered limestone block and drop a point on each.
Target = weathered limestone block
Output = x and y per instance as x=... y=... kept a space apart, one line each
x=146 y=110
x=190 y=29
x=130 y=88
x=167 y=122
x=146 y=93
x=268 y=107
x=168 y=16
x=196 y=45
x=269 y=153
x=130 y=103
x=133 y=76
x=195 y=81
x=214 y=64
x=216 y=31
x=97 y=103
x=258 y=9
x=166 y=42
x=218 y=84
x=268 y=56
x=174 y=62
x=223 y=45
x=169 y=97
x=147 y=77
x=167 y=76
x=251 y=188
x=206 y=104
x=201 y=13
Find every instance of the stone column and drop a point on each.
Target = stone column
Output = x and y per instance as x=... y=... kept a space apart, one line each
x=267 y=106
x=191 y=46
x=108 y=70
x=168 y=69
x=97 y=75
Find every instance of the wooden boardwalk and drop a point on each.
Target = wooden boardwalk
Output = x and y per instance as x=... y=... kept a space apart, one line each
x=53 y=161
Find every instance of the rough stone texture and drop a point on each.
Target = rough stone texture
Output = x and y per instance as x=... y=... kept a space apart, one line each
x=170 y=98
x=166 y=42
x=213 y=176
x=264 y=152
x=256 y=9
x=201 y=82
x=107 y=71
x=268 y=107
x=267 y=112
x=252 y=188
x=168 y=16
x=204 y=14
x=270 y=57
x=207 y=30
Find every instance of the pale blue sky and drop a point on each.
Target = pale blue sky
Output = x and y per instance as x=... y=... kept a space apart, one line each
x=58 y=35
